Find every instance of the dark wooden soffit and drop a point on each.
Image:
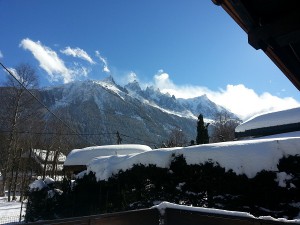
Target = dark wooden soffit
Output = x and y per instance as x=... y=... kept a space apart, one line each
x=272 y=26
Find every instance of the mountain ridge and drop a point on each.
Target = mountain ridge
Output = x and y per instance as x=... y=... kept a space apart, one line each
x=142 y=116
x=201 y=104
x=131 y=110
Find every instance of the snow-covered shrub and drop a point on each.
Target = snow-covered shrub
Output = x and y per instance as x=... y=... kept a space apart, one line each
x=43 y=200
x=269 y=193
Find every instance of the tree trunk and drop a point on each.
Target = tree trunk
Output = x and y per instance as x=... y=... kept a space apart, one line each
x=45 y=163
x=10 y=156
x=17 y=175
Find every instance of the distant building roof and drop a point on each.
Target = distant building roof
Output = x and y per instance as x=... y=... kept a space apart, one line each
x=270 y=123
x=83 y=156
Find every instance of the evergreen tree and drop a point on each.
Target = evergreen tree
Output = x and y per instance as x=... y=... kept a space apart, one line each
x=202 y=133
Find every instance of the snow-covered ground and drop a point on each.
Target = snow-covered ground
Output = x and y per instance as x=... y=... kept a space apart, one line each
x=10 y=211
x=244 y=157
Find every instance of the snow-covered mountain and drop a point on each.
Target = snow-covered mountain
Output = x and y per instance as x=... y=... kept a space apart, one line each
x=191 y=107
x=140 y=116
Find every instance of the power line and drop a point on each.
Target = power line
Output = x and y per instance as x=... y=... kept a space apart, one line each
x=65 y=124
x=138 y=139
x=81 y=134
x=55 y=133
x=42 y=104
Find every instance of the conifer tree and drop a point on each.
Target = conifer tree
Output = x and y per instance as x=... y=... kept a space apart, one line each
x=202 y=133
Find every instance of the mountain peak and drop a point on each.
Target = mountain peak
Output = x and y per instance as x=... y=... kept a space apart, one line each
x=205 y=97
x=109 y=80
x=133 y=86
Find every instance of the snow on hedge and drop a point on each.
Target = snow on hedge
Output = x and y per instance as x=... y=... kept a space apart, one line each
x=83 y=156
x=37 y=185
x=288 y=116
x=243 y=157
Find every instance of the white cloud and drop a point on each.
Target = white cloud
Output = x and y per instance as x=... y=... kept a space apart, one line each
x=239 y=99
x=48 y=60
x=51 y=63
x=77 y=52
x=104 y=61
x=245 y=102
x=79 y=70
x=162 y=80
x=1 y=55
x=131 y=76
x=165 y=84
x=14 y=73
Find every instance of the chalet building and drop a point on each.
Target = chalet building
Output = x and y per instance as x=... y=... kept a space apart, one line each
x=39 y=160
x=36 y=163
x=281 y=122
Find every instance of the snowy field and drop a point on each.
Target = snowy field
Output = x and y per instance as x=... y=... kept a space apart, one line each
x=10 y=211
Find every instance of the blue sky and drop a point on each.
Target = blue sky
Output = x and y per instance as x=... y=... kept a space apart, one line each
x=186 y=48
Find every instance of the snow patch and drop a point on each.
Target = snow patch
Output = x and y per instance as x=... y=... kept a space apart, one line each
x=11 y=210
x=279 y=219
x=164 y=205
x=37 y=185
x=282 y=178
x=48 y=180
x=110 y=86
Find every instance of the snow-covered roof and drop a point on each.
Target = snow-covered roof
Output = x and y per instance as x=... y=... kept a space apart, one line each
x=289 y=116
x=243 y=157
x=84 y=155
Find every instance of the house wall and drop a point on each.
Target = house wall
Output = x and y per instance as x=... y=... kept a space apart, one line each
x=266 y=131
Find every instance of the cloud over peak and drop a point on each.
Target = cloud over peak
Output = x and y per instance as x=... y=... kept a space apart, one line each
x=51 y=62
x=239 y=99
x=245 y=102
x=104 y=61
x=77 y=52
x=48 y=60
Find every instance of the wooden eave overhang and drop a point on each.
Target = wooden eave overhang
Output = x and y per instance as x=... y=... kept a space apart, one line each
x=272 y=26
